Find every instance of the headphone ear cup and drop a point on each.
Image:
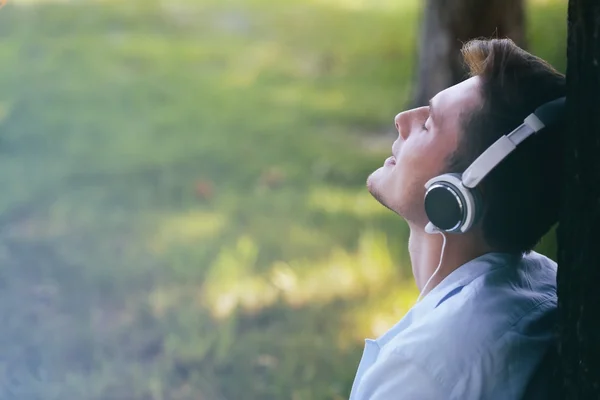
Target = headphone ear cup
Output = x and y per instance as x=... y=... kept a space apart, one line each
x=444 y=204
x=449 y=205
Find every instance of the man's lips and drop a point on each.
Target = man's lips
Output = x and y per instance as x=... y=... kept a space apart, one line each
x=390 y=161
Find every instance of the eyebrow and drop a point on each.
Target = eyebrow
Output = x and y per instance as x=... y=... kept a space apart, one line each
x=432 y=113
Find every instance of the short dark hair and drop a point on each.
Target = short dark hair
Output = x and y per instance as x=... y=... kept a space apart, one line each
x=521 y=195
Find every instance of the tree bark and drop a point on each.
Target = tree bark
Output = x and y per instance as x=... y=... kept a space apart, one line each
x=578 y=255
x=448 y=24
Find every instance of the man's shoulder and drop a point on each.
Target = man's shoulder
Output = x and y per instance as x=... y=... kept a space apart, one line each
x=486 y=326
x=499 y=300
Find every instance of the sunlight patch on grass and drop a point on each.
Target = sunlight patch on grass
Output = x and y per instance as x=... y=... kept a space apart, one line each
x=34 y=2
x=165 y=298
x=303 y=235
x=325 y=100
x=343 y=275
x=337 y=200
x=271 y=60
x=231 y=281
x=251 y=61
x=188 y=228
x=359 y=5
x=377 y=314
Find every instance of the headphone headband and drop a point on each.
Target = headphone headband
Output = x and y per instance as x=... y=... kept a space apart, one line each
x=546 y=115
x=452 y=202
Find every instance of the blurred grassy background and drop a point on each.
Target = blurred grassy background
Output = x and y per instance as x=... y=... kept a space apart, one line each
x=183 y=212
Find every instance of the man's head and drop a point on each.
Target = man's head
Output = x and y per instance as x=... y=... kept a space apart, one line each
x=519 y=196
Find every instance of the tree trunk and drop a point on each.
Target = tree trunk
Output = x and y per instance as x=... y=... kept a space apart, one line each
x=578 y=256
x=450 y=23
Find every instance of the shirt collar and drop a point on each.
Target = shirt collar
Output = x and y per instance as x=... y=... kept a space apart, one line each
x=461 y=277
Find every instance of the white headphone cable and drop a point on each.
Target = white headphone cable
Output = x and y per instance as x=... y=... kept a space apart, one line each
x=438 y=267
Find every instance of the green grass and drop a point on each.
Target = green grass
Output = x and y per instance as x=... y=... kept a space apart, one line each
x=184 y=213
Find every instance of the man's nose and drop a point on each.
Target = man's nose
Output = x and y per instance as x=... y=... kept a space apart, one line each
x=402 y=125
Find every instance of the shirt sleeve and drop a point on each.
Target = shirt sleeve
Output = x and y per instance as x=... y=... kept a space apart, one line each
x=399 y=377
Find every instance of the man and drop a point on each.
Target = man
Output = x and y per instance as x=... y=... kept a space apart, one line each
x=486 y=319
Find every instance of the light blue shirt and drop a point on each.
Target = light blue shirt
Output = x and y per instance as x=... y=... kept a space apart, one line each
x=480 y=334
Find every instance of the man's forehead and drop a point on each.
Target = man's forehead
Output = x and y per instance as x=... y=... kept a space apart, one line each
x=458 y=98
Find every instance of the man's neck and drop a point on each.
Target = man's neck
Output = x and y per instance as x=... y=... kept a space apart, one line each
x=425 y=251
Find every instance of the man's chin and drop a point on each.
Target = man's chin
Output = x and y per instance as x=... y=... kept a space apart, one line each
x=375 y=185
x=372 y=181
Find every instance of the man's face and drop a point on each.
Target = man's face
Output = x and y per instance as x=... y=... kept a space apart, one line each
x=427 y=137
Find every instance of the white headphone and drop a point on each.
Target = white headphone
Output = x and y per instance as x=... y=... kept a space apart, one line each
x=452 y=201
